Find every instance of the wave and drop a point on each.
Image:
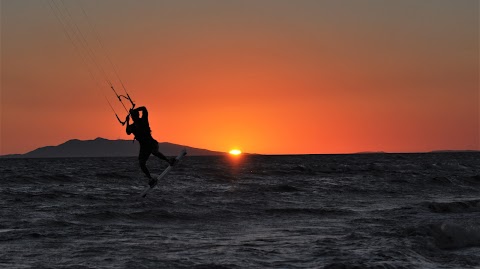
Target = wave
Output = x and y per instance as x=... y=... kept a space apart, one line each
x=146 y=215
x=110 y=175
x=293 y=170
x=456 y=236
x=37 y=178
x=455 y=180
x=33 y=194
x=286 y=188
x=63 y=178
x=213 y=173
x=447 y=235
x=455 y=207
x=18 y=179
x=309 y=211
x=38 y=228
x=473 y=179
x=440 y=180
x=382 y=265
x=212 y=266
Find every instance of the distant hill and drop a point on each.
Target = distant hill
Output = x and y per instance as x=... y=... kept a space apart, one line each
x=101 y=147
x=371 y=152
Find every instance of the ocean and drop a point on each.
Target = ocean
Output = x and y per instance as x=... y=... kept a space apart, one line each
x=255 y=211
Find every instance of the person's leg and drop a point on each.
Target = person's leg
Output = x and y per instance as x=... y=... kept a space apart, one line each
x=160 y=155
x=142 y=158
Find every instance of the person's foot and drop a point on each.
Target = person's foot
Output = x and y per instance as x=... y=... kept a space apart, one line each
x=152 y=182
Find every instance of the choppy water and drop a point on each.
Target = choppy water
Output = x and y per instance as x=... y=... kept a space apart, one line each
x=322 y=211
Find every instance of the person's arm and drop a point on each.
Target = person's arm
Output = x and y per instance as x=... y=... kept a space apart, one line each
x=144 y=111
x=129 y=128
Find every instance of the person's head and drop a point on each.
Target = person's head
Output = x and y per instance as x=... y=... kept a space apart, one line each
x=135 y=115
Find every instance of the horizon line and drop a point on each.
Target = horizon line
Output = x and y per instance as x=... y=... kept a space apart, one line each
x=248 y=153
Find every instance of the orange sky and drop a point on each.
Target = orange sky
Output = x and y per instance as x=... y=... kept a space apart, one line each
x=270 y=76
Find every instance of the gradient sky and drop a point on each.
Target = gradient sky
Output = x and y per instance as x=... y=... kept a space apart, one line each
x=266 y=76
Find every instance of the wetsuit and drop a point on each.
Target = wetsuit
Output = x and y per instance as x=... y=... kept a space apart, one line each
x=141 y=129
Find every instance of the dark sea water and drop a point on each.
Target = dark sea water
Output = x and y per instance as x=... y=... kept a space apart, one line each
x=321 y=211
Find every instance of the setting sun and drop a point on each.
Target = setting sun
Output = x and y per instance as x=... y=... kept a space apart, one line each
x=235 y=152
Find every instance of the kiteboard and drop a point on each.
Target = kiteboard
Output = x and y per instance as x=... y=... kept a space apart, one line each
x=164 y=173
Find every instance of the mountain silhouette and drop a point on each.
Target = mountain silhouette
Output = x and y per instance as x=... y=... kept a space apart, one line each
x=101 y=147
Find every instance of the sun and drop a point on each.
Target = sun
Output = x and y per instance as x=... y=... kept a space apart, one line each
x=235 y=152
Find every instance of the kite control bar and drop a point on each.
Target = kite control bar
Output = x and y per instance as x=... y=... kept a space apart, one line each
x=120 y=99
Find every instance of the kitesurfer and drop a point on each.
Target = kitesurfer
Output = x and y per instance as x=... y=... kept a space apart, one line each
x=141 y=130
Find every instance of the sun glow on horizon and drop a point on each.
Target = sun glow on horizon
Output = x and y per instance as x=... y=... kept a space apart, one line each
x=235 y=152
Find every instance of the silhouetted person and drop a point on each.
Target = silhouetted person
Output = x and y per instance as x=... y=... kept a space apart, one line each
x=141 y=129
